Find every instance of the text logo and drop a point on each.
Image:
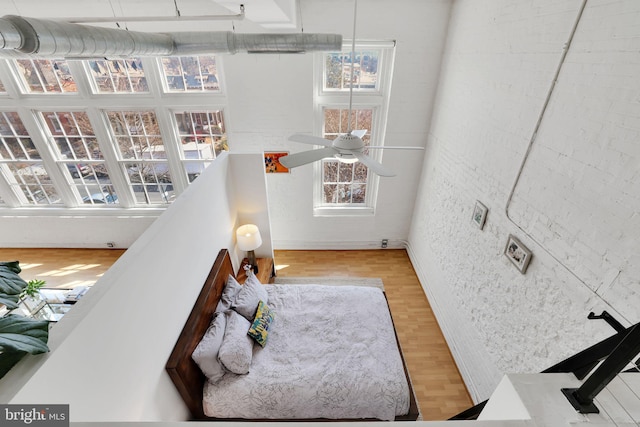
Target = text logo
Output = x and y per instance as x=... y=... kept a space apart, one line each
x=34 y=415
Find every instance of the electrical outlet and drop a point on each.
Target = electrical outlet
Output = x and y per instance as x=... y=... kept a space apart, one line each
x=111 y=245
x=385 y=243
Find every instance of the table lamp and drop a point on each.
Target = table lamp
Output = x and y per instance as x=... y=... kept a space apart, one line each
x=248 y=237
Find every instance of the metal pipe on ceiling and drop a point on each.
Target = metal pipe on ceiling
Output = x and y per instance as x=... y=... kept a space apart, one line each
x=31 y=37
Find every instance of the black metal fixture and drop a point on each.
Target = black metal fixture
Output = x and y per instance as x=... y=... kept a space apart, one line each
x=582 y=398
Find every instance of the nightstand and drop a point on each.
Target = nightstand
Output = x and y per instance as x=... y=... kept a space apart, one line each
x=265 y=270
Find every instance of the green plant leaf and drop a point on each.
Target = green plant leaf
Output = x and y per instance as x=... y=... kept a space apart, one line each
x=8 y=359
x=13 y=266
x=19 y=333
x=11 y=284
x=33 y=288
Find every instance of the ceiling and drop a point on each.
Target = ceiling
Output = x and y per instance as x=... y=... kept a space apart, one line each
x=260 y=15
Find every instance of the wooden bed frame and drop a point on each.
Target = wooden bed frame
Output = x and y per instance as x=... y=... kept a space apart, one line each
x=185 y=373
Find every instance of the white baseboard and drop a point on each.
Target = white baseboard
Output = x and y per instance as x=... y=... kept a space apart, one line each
x=475 y=366
x=337 y=245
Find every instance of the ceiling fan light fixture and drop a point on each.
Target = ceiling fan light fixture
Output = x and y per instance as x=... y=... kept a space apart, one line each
x=345 y=158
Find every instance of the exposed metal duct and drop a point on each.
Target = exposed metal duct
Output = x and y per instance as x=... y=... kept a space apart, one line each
x=30 y=37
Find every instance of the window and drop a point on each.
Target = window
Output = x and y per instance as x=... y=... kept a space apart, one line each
x=22 y=164
x=202 y=137
x=142 y=152
x=124 y=140
x=349 y=188
x=345 y=183
x=337 y=72
x=46 y=75
x=191 y=73
x=119 y=76
x=79 y=155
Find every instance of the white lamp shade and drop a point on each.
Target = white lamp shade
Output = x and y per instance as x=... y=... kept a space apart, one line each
x=248 y=237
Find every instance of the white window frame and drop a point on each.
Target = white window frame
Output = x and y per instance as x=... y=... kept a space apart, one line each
x=30 y=105
x=184 y=161
x=376 y=99
x=165 y=83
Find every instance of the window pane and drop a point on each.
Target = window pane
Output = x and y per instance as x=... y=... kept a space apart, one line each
x=366 y=75
x=330 y=193
x=358 y=193
x=191 y=73
x=351 y=178
x=119 y=76
x=363 y=120
x=138 y=137
x=330 y=171
x=10 y=123
x=333 y=70
x=33 y=181
x=73 y=135
x=360 y=172
x=151 y=182
x=337 y=70
x=344 y=121
x=137 y=134
x=15 y=143
x=46 y=75
x=98 y=194
x=331 y=122
x=18 y=149
x=203 y=137
x=345 y=172
x=93 y=183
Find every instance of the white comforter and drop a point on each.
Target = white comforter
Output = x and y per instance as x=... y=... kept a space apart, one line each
x=331 y=353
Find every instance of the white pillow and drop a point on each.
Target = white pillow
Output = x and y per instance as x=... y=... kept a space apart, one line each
x=250 y=295
x=206 y=353
x=236 y=350
x=231 y=289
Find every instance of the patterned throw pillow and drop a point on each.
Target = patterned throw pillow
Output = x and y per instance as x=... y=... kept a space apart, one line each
x=259 y=329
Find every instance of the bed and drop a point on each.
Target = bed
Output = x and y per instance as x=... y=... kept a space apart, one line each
x=285 y=364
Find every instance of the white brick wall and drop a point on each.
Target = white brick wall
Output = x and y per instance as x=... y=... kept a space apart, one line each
x=576 y=205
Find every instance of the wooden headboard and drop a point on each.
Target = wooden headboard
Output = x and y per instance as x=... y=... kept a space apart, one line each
x=184 y=372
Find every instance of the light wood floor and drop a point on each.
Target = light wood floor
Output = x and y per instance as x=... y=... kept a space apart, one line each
x=62 y=268
x=436 y=380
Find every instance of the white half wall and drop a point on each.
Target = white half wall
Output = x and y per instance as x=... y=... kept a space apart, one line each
x=108 y=354
x=81 y=228
x=576 y=204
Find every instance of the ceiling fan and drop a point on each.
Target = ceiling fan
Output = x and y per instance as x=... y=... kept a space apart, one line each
x=348 y=147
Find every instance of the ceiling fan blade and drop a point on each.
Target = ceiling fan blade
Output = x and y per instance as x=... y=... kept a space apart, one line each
x=372 y=164
x=299 y=159
x=374 y=147
x=310 y=139
x=359 y=133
